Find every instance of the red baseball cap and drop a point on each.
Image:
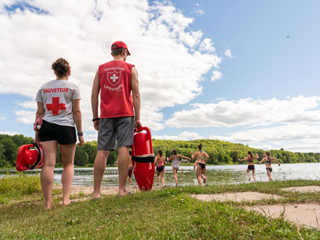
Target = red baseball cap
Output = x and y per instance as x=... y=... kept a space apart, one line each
x=119 y=44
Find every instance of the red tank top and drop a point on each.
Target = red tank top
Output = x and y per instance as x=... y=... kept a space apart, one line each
x=115 y=86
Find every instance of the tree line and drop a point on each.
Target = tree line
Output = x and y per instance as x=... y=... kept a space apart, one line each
x=220 y=152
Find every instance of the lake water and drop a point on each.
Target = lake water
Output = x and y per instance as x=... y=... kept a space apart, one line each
x=227 y=174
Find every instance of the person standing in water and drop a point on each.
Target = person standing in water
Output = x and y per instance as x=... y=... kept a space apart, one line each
x=201 y=159
x=175 y=164
x=250 y=158
x=268 y=160
x=160 y=161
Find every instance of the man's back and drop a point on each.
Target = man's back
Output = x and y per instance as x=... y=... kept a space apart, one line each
x=115 y=85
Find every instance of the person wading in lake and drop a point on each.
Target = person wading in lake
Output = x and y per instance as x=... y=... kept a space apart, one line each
x=118 y=85
x=58 y=104
x=268 y=160
x=201 y=159
x=175 y=164
x=159 y=162
x=250 y=158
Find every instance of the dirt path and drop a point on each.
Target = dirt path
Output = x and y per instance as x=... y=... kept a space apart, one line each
x=306 y=214
x=235 y=197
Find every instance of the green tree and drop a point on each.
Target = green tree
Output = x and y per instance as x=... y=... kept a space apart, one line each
x=11 y=150
x=81 y=157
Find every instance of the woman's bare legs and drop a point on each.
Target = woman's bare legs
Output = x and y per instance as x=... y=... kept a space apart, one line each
x=203 y=175
x=175 y=175
x=199 y=173
x=254 y=175
x=269 y=175
x=46 y=176
x=162 y=177
x=248 y=173
x=67 y=155
x=158 y=178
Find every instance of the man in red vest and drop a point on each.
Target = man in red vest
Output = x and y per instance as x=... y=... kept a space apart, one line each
x=118 y=85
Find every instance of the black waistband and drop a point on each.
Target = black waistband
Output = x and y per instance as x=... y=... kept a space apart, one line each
x=143 y=159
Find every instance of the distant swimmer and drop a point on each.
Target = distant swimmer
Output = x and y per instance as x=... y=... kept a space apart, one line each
x=250 y=158
x=201 y=159
x=175 y=164
x=160 y=161
x=268 y=159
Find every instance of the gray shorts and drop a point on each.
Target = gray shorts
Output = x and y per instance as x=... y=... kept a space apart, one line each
x=115 y=130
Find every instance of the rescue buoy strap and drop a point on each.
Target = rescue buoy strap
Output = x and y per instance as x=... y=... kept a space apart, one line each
x=143 y=159
x=39 y=155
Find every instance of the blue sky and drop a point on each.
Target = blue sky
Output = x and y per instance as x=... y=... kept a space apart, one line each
x=267 y=96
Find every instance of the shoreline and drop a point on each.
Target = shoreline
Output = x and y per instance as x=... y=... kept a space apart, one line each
x=181 y=165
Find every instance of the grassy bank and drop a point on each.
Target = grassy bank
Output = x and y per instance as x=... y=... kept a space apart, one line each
x=165 y=214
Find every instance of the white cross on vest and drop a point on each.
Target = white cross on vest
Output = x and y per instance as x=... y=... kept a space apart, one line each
x=114 y=77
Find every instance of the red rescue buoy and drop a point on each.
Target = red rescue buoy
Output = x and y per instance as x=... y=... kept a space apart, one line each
x=143 y=159
x=30 y=156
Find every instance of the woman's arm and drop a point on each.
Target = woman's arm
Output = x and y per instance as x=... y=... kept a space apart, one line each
x=77 y=116
x=257 y=156
x=39 y=114
x=193 y=156
x=276 y=160
x=263 y=159
x=184 y=157
x=241 y=160
x=207 y=156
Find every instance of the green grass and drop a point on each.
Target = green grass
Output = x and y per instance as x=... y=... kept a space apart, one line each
x=165 y=214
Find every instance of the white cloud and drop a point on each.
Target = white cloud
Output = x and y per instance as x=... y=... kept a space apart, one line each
x=163 y=48
x=292 y=137
x=228 y=53
x=206 y=45
x=248 y=112
x=2 y=118
x=182 y=136
x=216 y=75
x=197 y=10
x=28 y=104
x=8 y=133
x=91 y=137
x=26 y=117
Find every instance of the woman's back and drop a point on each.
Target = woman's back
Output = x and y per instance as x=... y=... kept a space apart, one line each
x=200 y=155
x=56 y=97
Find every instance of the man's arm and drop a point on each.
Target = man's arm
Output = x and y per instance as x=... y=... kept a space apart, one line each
x=136 y=97
x=95 y=99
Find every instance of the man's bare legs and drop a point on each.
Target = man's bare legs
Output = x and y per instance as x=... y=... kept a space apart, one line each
x=123 y=165
x=46 y=176
x=99 y=167
x=67 y=154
